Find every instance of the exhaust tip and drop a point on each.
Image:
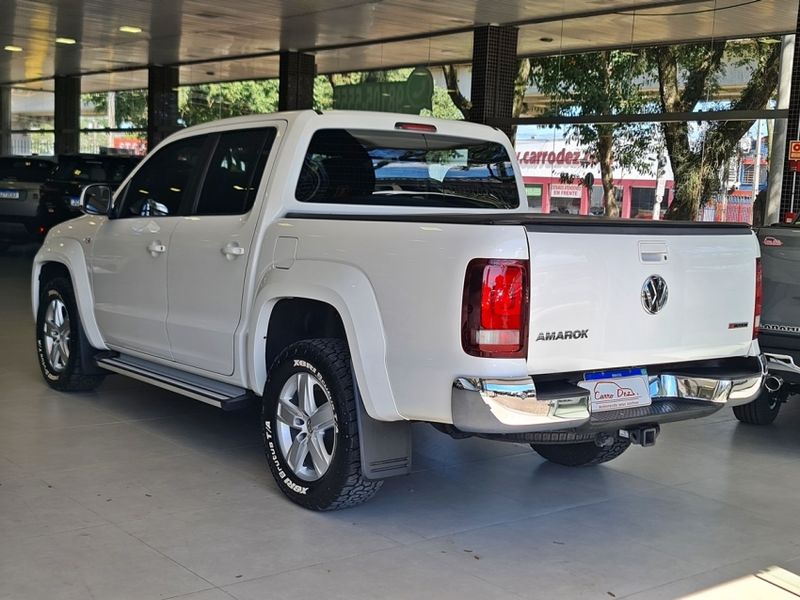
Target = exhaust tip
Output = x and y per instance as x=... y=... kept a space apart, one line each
x=772 y=383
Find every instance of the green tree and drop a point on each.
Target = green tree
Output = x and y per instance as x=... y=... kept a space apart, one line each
x=210 y=101
x=522 y=81
x=598 y=84
x=130 y=107
x=688 y=75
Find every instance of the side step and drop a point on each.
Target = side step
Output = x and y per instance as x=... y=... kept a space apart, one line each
x=215 y=393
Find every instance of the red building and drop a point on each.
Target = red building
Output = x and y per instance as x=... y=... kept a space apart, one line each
x=553 y=171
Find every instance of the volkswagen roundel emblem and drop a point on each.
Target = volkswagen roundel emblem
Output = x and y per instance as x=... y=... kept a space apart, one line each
x=654 y=294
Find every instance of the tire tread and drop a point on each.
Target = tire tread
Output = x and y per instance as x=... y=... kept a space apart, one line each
x=75 y=380
x=583 y=454
x=356 y=488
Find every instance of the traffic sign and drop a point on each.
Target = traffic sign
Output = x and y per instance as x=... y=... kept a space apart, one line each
x=794 y=150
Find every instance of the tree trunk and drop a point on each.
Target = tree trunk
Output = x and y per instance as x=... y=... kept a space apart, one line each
x=696 y=172
x=605 y=157
x=451 y=78
x=521 y=83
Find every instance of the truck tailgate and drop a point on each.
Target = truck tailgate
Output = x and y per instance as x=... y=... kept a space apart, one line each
x=587 y=306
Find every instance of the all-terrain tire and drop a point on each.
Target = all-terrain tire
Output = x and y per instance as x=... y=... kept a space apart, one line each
x=582 y=454
x=761 y=411
x=342 y=485
x=69 y=375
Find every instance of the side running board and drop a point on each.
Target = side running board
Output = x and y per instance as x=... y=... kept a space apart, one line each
x=215 y=393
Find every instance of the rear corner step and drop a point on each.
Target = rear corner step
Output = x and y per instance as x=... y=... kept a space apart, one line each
x=215 y=393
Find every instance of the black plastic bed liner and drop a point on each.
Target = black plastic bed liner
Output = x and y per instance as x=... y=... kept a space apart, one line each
x=547 y=223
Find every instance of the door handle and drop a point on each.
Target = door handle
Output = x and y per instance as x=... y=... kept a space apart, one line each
x=232 y=250
x=155 y=248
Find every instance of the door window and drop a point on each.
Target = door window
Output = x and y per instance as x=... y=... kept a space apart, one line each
x=166 y=180
x=234 y=172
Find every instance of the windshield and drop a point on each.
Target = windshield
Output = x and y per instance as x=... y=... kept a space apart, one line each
x=25 y=169
x=91 y=170
x=401 y=168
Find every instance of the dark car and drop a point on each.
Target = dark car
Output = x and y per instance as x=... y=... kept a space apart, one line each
x=779 y=335
x=20 y=180
x=61 y=193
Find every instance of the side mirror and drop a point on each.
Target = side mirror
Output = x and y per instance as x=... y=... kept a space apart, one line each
x=96 y=199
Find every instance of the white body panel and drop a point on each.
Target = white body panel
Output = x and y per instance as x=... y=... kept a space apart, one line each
x=397 y=285
x=594 y=281
x=130 y=283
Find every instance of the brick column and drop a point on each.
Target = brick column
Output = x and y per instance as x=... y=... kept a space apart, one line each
x=67 y=115
x=296 y=81
x=494 y=68
x=162 y=103
x=5 y=120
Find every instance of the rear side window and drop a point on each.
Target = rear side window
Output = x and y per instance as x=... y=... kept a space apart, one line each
x=401 y=168
x=234 y=172
x=165 y=180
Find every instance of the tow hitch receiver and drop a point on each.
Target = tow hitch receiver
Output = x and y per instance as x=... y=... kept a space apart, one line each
x=641 y=436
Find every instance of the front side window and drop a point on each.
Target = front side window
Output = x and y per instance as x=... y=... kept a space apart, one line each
x=234 y=172
x=401 y=168
x=165 y=180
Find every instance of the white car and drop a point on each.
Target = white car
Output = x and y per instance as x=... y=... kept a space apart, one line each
x=358 y=272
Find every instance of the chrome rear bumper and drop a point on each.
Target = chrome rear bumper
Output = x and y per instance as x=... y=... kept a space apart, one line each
x=498 y=406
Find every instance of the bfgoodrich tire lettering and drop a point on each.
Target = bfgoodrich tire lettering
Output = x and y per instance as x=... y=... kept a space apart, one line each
x=335 y=480
x=60 y=343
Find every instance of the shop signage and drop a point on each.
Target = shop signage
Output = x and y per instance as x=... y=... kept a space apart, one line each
x=794 y=150
x=560 y=190
x=409 y=96
x=562 y=157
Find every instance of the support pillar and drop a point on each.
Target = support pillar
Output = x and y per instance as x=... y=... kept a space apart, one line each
x=296 y=83
x=5 y=121
x=790 y=189
x=494 y=68
x=162 y=103
x=777 y=151
x=67 y=115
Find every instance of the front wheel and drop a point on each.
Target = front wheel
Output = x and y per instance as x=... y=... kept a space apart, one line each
x=581 y=454
x=60 y=341
x=310 y=427
x=761 y=411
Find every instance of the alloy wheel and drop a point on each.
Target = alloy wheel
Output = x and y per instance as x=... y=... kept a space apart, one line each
x=306 y=426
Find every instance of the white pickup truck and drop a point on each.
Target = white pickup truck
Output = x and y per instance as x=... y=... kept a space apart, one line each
x=358 y=272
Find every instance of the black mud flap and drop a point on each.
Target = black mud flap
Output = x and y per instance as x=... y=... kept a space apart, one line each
x=385 y=445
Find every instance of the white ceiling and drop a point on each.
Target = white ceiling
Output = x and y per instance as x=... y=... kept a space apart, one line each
x=238 y=39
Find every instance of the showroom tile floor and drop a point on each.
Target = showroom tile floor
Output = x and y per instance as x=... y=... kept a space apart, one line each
x=135 y=493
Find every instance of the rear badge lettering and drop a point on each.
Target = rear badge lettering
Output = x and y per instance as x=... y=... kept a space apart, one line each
x=780 y=328
x=570 y=334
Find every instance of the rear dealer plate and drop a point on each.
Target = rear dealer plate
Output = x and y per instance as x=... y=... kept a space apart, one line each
x=616 y=390
x=9 y=194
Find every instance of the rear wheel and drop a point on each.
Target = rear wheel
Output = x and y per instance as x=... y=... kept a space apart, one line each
x=761 y=411
x=310 y=427
x=582 y=454
x=60 y=342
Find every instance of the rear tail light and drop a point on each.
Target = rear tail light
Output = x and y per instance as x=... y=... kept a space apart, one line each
x=757 y=313
x=494 y=313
